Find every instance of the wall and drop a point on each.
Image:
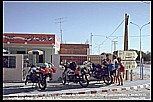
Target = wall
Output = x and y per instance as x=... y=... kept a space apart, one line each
x=56 y=62
x=74 y=49
x=48 y=53
x=79 y=49
x=14 y=74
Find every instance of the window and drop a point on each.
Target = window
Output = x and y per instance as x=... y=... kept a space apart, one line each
x=40 y=58
x=9 y=61
x=51 y=58
x=21 y=52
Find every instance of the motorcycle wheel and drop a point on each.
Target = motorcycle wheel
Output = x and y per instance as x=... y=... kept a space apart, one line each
x=84 y=82
x=108 y=80
x=42 y=84
x=64 y=79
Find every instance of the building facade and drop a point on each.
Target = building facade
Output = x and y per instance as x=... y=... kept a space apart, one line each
x=74 y=52
x=20 y=43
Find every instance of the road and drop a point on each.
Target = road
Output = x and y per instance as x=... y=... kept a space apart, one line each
x=16 y=89
x=59 y=91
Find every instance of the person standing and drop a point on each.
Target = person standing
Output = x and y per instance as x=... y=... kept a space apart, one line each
x=115 y=62
x=120 y=72
x=108 y=59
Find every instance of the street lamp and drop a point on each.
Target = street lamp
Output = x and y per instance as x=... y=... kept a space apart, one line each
x=93 y=50
x=111 y=42
x=98 y=47
x=140 y=28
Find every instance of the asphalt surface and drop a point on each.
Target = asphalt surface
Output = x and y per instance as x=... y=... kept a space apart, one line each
x=18 y=90
x=55 y=89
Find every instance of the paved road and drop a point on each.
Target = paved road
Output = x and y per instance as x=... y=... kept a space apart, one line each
x=139 y=94
x=19 y=89
x=57 y=89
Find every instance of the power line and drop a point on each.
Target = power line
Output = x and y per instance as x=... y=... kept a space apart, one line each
x=116 y=28
x=121 y=36
x=132 y=36
x=113 y=31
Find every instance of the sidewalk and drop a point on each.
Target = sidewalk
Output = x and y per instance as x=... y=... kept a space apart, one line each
x=128 y=85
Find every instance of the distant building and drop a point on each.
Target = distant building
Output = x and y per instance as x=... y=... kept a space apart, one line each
x=82 y=49
x=74 y=52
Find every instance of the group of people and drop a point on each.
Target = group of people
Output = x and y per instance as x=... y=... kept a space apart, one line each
x=118 y=70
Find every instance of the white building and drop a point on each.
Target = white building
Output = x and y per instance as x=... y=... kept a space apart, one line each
x=21 y=43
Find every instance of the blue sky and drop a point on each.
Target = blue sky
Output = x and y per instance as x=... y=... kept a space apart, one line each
x=80 y=19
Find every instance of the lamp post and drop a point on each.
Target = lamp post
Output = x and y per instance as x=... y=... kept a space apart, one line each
x=93 y=49
x=99 y=47
x=111 y=42
x=140 y=28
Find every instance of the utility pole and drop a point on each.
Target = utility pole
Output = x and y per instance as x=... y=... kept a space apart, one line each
x=126 y=33
x=126 y=42
x=91 y=43
x=60 y=22
x=115 y=42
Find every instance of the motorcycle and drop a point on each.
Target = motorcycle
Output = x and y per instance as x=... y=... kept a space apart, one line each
x=100 y=72
x=38 y=74
x=75 y=74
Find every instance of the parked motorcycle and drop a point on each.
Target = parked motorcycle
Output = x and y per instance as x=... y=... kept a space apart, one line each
x=100 y=72
x=75 y=74
x=38 y=74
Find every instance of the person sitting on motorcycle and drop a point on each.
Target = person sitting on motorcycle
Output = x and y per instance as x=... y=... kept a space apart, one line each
x=107 y=64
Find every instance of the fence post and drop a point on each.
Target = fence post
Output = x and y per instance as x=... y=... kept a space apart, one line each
x=127 y=75
x=131 y=74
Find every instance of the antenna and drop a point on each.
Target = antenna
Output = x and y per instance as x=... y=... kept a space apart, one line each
x=60 y=22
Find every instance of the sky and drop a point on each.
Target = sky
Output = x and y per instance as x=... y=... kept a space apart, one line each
x=79 y=19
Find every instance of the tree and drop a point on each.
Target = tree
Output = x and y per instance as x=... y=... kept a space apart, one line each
x=146 y=56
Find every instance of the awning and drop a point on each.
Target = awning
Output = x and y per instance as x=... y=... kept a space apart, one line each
x=38 y=52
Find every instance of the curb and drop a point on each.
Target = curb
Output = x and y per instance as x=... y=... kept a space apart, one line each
x=144 y=86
